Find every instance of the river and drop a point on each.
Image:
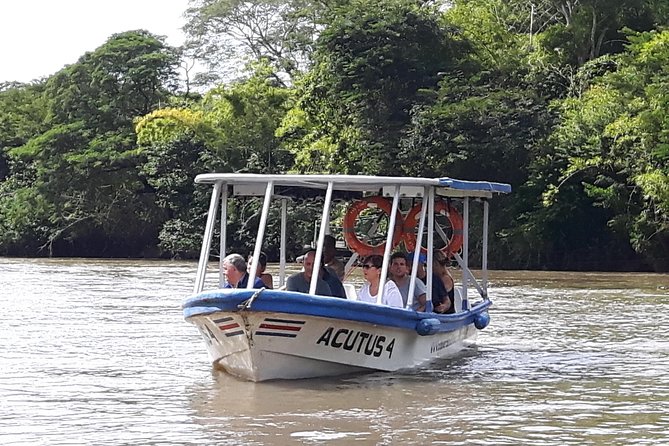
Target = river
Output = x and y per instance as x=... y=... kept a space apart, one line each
x=97 y=352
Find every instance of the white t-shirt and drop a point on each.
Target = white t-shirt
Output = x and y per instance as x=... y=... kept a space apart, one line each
x=417 y=291
x=391 y=295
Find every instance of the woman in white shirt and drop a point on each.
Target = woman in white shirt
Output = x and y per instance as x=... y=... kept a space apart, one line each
x=371 y=269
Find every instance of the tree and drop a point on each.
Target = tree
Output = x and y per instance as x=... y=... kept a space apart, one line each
x=612 y=147
x=130 y=75
x=79 y=177
x=231 y=130
x=22 y=115
x=371 y=66
x=227 y=33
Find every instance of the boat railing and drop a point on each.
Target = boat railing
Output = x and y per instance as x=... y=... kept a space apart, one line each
x=425 y=188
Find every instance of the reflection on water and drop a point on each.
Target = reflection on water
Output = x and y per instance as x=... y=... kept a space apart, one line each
x=97 y=352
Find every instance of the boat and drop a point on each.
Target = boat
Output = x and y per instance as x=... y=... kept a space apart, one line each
x=267 y=334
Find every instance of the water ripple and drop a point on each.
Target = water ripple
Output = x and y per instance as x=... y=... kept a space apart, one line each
x=97 y=352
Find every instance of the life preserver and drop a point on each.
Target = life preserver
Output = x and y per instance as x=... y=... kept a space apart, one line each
x=440 y=207
x=352 y=240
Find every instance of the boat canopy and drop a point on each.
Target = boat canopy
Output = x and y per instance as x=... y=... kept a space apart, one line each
x=351 y=187
x=296 y=185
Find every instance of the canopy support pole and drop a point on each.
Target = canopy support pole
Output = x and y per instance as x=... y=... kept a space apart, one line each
x=315 y=274
x=261 y=234
x=206 y=240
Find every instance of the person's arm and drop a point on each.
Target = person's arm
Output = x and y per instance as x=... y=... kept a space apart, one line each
x=420 y=296
x=440 y=300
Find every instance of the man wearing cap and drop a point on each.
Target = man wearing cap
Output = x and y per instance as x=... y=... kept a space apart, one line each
x=400 y=274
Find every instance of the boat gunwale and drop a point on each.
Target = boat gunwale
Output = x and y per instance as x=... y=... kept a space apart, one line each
x=290 y=302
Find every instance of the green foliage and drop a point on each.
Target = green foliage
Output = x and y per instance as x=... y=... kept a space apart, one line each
x=475 y=133
x=128 y=76
x=245 y=117
x=171 y=124
x=566 y=100
x=611 y=146
x=371 y=66
x=231 y=129
x=83 y=191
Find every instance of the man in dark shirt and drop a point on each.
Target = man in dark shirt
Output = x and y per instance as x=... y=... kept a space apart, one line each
x=336 y=287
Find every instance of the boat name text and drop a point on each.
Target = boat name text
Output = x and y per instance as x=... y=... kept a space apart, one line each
x=437 y=346
x=359 y=341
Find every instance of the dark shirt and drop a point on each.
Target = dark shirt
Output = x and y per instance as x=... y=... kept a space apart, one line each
x=336 y=287
x=298 y=282
x=440 y=294
x=258 y=283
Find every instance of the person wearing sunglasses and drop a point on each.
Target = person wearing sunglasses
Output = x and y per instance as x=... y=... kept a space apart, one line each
x=371 y=269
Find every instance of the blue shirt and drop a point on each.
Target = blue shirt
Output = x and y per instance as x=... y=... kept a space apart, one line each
x=258 y=283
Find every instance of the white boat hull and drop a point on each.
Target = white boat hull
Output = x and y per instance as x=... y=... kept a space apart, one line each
x=261 y=346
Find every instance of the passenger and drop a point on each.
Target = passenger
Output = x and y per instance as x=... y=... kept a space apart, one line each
x=439 y=291
x=234 y=269
x=401 y=275
x=421 y=271
x=260 y=271
x=301 y=281
x=444 y=303
x=329 y=253
x=336 y=287
x=371 y=268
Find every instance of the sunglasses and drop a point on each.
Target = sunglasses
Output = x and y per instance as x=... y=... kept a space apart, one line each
x=369 y=266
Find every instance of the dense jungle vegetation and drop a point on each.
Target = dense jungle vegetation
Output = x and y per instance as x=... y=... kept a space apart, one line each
x=566 y=100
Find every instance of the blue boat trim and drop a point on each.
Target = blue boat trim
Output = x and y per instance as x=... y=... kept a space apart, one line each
x=288 y=302
x=234 y=333
x=501 y=188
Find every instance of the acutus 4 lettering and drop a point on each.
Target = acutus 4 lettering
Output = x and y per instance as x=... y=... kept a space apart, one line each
x=357 y=341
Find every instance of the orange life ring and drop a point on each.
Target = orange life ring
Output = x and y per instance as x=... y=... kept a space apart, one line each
x=359 y=246
x=440 y=207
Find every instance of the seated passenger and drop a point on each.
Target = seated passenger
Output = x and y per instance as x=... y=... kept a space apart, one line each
x=371 y=269
x=329 y=259
x=400 y=274
x=421 y=271
x=336 y=287
x=439 y=291
x=234 y=269
x=301 y=281
x=444 y=301
x=260 y=271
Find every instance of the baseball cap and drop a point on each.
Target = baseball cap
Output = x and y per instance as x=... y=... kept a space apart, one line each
x=422 y=258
